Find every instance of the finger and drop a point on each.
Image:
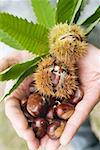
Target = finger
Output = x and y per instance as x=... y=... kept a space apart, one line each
x=44 y=141
x=52 y=144
x=32 y=145
x=27 y=136
x=81 y=113
x=19 y=122
x=3 y=64
x=13 y=58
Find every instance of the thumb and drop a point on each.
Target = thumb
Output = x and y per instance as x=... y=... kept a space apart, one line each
x=14 y=58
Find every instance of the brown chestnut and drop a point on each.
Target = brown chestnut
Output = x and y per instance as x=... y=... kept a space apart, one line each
x=36 y=105
x=39 y=127
x=64 y=111
x=29 y=117
x=32 y=88
x=77 y=97
x=50 y=113
x=55 y=79
x=55 y=129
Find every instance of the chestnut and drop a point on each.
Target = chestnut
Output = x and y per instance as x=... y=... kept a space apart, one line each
x=32 y=88
x=55 y=129
x=36 y=105
x=51 y=111
x=39 y=127
x=75 y=99
x=55 y=79
x=50 y=114
x=64 y=110
x=27 y=115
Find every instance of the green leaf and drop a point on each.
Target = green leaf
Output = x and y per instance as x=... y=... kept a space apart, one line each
x=91 y=22
x=21 y=34
x=19 y=80
x=67 y=10
x=17 y=69
x=44 y=11
x=91 y=27
x=77 y=16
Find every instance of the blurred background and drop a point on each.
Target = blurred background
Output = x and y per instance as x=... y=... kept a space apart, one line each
x=8 y=138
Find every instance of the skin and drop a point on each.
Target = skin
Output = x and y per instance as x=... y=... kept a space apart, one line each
x=90 y=78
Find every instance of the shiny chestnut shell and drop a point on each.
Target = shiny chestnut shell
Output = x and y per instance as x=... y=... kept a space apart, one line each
x=29 y=117
x=64 y=111
x=39 y=127
x=77 y=97
x=55 y=129
x=36 y=105
x=51 y=114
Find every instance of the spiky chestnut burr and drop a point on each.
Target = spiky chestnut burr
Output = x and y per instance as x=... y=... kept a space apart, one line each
x=67 y=42
x=55 y=129
x=36 y=105
x=56 y=79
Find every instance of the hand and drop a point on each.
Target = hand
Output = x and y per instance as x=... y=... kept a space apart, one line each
x=12 y=103
x=89 y=71
x=90 y=78
x=14 y=113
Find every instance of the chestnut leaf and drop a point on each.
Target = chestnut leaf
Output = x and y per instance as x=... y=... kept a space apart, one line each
x=90 y=23
x=16 y=70
x=17 y=82
x=78 y=14
x=44 y=12
x=67 y=10
x=23 y=35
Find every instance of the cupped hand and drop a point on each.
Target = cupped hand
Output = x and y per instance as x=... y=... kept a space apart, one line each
x=90 y=78
x=89 y=72
x=12 y=103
